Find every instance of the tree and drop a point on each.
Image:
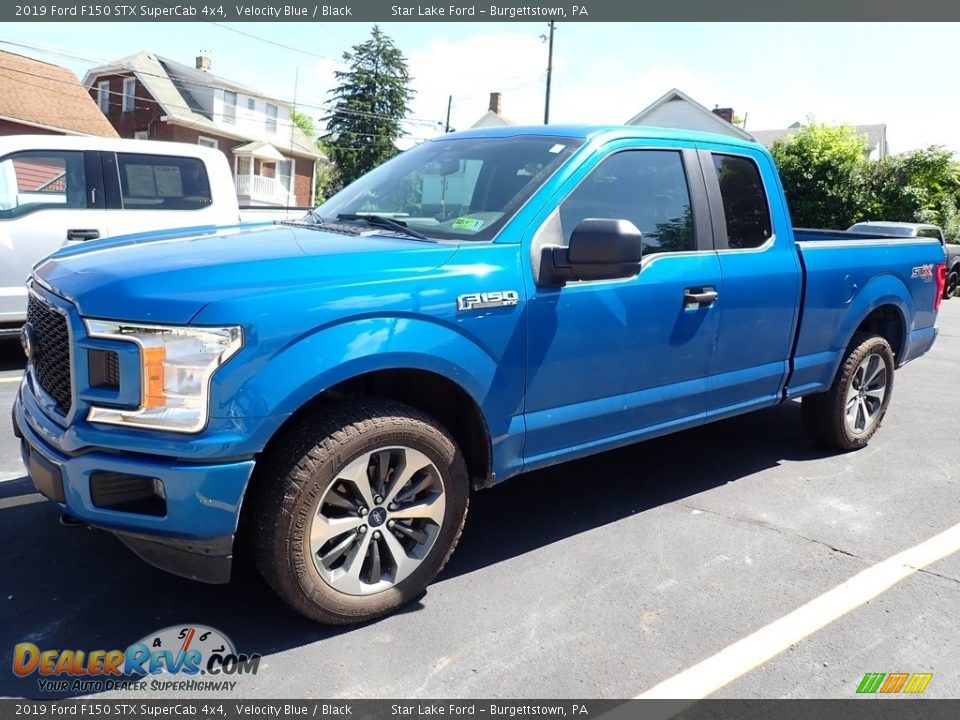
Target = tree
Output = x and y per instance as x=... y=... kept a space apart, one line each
x=819 y=166
x=328 y=176
x=371 y=99
x=304 y=122
x=916 y=186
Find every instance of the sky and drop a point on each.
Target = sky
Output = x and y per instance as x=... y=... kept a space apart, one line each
x=904 y=75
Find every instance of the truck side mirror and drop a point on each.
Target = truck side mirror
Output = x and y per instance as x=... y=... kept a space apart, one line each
x=600 y=249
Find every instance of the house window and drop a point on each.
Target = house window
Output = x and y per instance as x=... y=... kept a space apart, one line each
x=271 y=118
x=243 y=166
x=103 y=96
x=285 y=173
x=207 y=142
x=163 y=182
x=129 y=94
x=141 y=135
x=229 y=106
x=251 y=104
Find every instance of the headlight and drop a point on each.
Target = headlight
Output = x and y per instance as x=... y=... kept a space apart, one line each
x=176 y=364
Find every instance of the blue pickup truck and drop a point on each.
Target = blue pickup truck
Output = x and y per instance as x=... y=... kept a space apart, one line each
x=330 y=391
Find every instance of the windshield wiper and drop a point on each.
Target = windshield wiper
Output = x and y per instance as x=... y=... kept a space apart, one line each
x=385 y=222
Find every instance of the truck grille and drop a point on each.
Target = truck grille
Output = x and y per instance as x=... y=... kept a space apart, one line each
x=51 y=358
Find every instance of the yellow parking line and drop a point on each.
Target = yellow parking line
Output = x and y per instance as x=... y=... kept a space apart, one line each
x=21 y=500
x=16 y=378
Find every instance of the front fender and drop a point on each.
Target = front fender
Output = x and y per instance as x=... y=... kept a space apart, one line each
x=296 y=373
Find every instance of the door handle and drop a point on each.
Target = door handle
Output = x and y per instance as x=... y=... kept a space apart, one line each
x=82 y=234
x=700 y=296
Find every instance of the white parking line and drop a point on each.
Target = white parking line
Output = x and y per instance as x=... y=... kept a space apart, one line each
x=21 y=500
x=710 y=675
x=16 y=378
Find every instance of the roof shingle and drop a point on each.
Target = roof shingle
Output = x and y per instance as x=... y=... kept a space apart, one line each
x=51 y=96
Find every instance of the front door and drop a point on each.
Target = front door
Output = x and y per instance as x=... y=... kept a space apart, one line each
x=618 y=360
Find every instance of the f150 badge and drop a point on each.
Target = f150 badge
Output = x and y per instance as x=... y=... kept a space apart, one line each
x=494 y=299
x=924 y=272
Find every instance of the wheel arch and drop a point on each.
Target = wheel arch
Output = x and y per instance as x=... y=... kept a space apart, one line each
x=431 y=392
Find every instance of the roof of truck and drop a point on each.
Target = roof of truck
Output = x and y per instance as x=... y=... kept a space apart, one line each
x=586 y=132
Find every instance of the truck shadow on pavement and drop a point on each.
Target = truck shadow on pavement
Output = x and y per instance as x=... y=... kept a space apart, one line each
x=81 y=589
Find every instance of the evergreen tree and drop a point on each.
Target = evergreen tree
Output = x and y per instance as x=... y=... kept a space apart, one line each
x=371 y=99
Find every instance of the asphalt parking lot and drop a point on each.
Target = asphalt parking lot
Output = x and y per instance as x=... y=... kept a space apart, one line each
x=600 y=578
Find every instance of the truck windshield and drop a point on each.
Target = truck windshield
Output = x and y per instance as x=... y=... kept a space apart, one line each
x=454 y=189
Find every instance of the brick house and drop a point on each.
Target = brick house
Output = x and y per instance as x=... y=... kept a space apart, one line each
x=38 y=98
x=146 y=96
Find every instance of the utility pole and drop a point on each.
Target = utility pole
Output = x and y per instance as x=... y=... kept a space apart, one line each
x=546 y=103
x=449 y=103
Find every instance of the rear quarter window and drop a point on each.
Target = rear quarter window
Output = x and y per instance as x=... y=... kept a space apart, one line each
x=156 y=182
x=745 y=205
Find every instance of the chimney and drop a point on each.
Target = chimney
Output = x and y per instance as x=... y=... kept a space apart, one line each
x=725 y=113
x=495 y=102
x=204 y=63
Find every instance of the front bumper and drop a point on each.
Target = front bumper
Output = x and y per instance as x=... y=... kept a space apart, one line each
x=193 y=537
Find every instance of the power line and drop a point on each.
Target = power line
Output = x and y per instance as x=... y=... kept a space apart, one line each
x=272 y=42
x=210 y=88
x=285 y=123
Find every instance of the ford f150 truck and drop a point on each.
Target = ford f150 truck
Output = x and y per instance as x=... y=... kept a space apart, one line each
x=485 y=304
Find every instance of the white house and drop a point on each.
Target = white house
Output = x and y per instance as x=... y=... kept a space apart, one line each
x=146 y=96
x=675 y=109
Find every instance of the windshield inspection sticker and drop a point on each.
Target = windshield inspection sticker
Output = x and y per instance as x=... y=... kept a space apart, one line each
x=467 y=223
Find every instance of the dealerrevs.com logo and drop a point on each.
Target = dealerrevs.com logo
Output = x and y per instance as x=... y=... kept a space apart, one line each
x=180 y=657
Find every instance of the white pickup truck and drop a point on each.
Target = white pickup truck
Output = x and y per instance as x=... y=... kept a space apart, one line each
x=57 y=190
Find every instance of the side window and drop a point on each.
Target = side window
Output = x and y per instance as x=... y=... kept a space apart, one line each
x=160 y=182
x=41 y=179
x=930 y=233
x=744 y=201
x=646 y=187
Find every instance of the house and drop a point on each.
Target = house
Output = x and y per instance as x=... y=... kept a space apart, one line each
x=676 y=109
x=875 y=138
x=38 y=98
x=146 y=96
x=492 y=117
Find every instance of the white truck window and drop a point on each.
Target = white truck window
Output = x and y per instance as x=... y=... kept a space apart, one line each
x=160 y=182
x=36 y=180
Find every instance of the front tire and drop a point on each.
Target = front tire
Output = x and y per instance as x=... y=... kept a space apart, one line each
x=850 y=412
x=358 y=509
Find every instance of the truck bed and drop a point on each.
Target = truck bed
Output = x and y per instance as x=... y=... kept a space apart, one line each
x=845 y=275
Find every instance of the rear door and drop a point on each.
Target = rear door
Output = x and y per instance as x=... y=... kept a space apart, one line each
x=622 y=359
x=46 y=197
x=157 y=192
x=761 y=279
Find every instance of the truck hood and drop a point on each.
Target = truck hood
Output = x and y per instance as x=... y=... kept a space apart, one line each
x=168 y=278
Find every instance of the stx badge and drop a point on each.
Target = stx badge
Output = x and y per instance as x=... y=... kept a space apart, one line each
x=480 y=301
x=924 y=272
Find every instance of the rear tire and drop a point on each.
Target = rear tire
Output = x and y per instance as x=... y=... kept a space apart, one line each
x=850 y=412
x=950 y=287
x=356 y=510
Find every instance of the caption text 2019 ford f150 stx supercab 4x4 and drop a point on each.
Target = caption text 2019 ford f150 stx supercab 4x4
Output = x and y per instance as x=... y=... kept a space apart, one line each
x=488 y=303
